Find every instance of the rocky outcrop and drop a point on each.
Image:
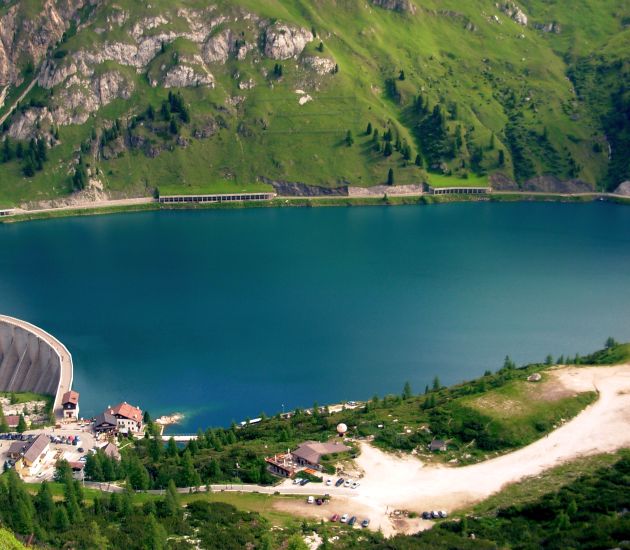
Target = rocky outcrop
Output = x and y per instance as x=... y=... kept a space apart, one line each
x=545 y=184
x=284 y=41
x=217 y=48
x=549 y=27
x=623 y=189
x=321 y=65
x=111 y=85
x=405 y=6
x=514 y=12
x=24 y=126
x=297 y=189
x=184 y=76
x=29 y=37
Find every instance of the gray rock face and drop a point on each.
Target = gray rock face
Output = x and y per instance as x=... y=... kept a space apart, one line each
x=30 y=37
x=514 y=12
x=405 y=6
x=321 y=65
x=549 y=27
x=623 y=189
x=218 y=47
x=24 y=126
x=285 y=41
x=183 y=76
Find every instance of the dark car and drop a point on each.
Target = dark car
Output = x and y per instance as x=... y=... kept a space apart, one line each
x=352 y=521
x=319 y=502
x=304 y=482
x=339 y=482
x=426 y=515
x=81 y=450
x=365 y=523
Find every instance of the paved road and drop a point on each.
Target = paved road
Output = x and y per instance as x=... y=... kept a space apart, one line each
x=20 y=98
x=65 y=379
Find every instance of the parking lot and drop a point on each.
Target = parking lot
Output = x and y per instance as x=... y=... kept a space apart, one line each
x=64 y=445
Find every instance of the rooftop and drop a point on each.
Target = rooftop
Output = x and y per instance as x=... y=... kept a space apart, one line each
x=36 y=447
x=71 y=397
x=127 y=411
x=105 y=418
x=312 y=451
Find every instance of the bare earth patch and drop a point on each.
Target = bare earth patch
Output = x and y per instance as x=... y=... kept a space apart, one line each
x=402 y=482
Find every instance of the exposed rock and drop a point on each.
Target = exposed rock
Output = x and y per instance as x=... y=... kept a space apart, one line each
x=396 y=5
x=111 y=85
x=549 y=27
x=183 y=76
x=53 y=74
x=321 y=65
x=391 y=190
x=514 y=12
x=140 y=27
x=623 y=189
x=297 y=189
x=28 y=38
x=24 y=126
x=217 y=48
x=285 y=41
x=207 y=129
x=547 y=184
x=246 y=84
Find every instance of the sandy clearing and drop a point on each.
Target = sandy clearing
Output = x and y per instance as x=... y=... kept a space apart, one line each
x=404 y=482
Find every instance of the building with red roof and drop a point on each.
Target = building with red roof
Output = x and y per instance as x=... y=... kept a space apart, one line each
x=70 y=404
x=128 y=417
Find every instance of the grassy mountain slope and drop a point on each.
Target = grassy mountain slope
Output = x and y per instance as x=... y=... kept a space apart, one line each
x=504 y=99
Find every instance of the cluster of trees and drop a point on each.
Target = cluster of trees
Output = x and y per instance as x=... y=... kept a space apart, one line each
x=33 y=156
x=388 y=143
x=118 y=520
x=174 y=110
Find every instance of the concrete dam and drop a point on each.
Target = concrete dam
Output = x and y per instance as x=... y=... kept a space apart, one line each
x=33 y=360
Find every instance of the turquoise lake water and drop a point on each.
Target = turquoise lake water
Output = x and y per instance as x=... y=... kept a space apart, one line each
x=224 y=314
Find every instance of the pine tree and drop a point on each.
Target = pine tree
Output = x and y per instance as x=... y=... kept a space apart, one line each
x=390 y=176
x=387 y=151
x=436 y=384
x=418 y=161
x=501 y=160
x=62 y=522
x=401 y=75
x=368 y=130
x=349 y=138
x=45 y=505
x=21 y=427
x=7 y=150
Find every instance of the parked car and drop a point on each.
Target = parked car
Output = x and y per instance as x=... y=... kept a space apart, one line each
x=443 y=514
x=365 y=523
x=426 y=515
x=355 y=484
x=81 y=450
x=83 y=459
x=344 y=518
x=435 y=514
x=310 y=500
x=335 y=517
x=352 y=521
x=339 y=482
x=347 y=483
x=296 y=481
x=319 y=502
x=329 y=482
x=304 y=482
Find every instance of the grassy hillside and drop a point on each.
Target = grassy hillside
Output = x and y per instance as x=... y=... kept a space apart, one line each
x=461 y=86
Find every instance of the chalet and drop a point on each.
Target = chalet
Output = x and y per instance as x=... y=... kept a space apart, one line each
x=310 y=453
x=105 y=423
x=128 y=417
x=34 y=456
x=70 y=404
x=437 y=445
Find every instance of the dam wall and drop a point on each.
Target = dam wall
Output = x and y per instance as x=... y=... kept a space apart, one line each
x=33 y=360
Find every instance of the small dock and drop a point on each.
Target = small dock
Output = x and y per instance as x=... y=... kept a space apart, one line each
x=179 y=438
x=233 y=197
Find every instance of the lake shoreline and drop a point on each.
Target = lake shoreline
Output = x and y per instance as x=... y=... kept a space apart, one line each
x=315 y=202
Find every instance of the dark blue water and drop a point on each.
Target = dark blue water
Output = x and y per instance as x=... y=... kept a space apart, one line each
x=224 y=314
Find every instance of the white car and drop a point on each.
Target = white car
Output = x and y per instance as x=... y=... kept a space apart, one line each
x=355 y=484
x=310 y=500
x=344 y=518
x=329 y=482
x=347 y=483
